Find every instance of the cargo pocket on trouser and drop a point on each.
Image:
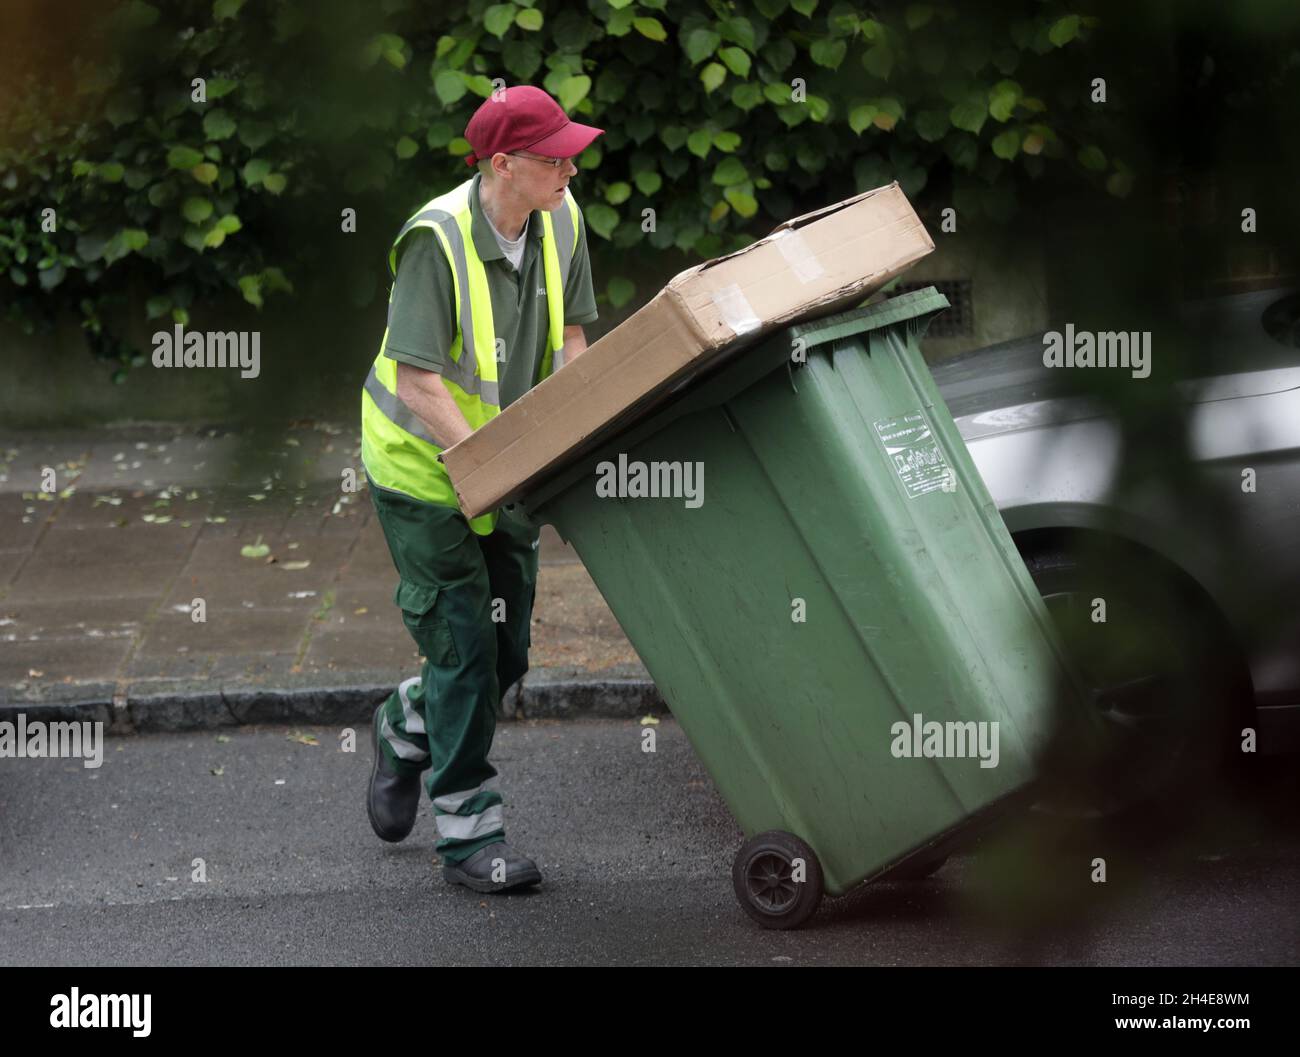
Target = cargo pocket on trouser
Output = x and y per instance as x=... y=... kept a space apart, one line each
x=432 y=633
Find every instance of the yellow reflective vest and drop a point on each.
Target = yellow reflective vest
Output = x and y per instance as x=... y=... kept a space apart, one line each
x=397 y=450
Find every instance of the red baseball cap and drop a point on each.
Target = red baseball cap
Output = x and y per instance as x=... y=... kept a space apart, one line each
x=525 y=118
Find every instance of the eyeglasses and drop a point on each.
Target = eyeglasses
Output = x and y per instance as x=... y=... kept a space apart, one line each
x=554 y=163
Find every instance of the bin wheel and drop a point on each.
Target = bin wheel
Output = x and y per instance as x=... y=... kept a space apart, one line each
x=919 y=870
x=764 y=878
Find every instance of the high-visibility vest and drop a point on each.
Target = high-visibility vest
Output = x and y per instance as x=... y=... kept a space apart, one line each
x=397 y=450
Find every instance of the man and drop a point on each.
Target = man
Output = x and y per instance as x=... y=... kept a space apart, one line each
x=492 y=286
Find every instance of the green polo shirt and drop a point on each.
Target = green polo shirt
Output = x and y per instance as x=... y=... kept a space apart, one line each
x=422 y=315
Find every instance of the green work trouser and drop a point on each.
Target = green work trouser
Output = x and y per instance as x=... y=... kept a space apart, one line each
x=467 y=601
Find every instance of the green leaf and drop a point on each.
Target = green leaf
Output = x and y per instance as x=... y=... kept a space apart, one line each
x=523 y=57
x=700 y=44
x=737 y=60
x=498 y=18
x=776 y=92
x=219 y=86
x=255 y=134
x=223 y=9
x=726 y=141
x=184 y=157
x=746 y=96
x=744 y=204
x=620 y=22
x=651 y=28
x=700 y=142
x=818 y=107
x=618 y=5
x=618 y=192
x=861 y=117
x=602 y=219
x=214 y=238
x=53 y=275
x=1064 y=30
x=110 y=171
x=251 y=287
x=738 y=29
x=829 y=53
x=257 y=549
x=648 y=182
x=878 y=60
x=90 y=247
x=673 y=136
x=573 y=90
x=1006 y=145
x=157 y=306
x=971 y=113
x=196 y=210
x=449 y=85
x=730 y=171
x=1003 y=98
x=406 y=148
x=206 y=173
x=804 y=7
x=529 y=19
x=275 y=182
x=218 y=124
x=931 y=125
x=713 y=75
x=620 y=291
x=1092 y=158
x=230 y=223
x=256 y=170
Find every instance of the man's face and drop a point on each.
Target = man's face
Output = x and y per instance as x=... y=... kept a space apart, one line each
x=539 y=183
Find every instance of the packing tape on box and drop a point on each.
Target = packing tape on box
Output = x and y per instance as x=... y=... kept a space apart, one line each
x=799 y=255
x=736 y=311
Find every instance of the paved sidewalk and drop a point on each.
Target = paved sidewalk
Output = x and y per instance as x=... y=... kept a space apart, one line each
x=100 y=573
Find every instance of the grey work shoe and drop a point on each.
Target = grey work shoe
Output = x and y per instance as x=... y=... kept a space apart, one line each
x=477 y=871
x=392 y=799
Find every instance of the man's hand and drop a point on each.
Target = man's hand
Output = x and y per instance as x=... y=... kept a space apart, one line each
x=575 y=343
x=423 y=392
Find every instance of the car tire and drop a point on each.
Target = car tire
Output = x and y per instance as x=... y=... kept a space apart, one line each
x=1160 y=667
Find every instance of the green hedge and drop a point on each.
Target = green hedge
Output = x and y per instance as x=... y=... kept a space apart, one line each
x=722 y=117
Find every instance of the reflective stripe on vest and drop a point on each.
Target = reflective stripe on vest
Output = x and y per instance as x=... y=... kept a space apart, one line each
x=398 y=451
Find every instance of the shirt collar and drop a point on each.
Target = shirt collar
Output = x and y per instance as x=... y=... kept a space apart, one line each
x=485 y=243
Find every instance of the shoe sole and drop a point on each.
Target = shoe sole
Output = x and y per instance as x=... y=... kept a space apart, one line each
x=456 y=876
x=374 y=770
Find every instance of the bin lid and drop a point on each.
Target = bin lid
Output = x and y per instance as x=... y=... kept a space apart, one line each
x=920 y=305
x=725 y=378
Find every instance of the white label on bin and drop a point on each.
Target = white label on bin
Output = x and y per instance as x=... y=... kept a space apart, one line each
x=914 y=451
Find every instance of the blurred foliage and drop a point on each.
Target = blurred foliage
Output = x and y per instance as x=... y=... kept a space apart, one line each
x=722 y=117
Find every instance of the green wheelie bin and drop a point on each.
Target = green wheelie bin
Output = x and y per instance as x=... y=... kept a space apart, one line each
x=827 y=599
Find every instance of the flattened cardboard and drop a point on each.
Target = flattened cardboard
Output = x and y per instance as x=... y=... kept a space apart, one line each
x=808 y=266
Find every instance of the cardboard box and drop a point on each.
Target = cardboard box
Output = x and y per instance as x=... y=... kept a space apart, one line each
x=808 y=266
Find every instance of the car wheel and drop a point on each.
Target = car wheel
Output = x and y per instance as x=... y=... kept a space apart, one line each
x=1156 y=663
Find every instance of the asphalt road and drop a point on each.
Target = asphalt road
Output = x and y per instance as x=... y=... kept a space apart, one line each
x=96 y=868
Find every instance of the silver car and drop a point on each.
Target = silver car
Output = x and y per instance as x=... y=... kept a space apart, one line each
x=1199 y=565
